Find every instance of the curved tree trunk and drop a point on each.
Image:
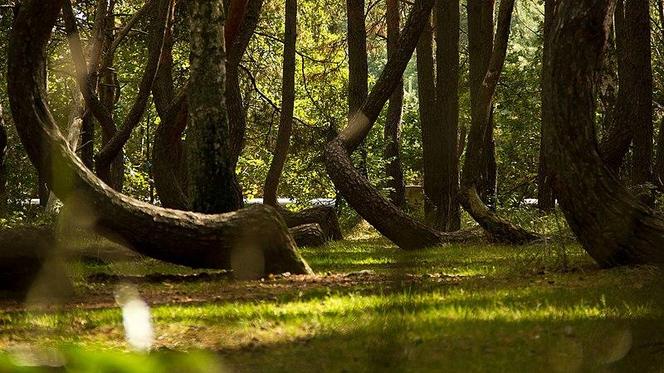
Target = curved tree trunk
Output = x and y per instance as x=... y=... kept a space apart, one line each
x=271 y=187
x=392 y=133
x=497 y=228
x=613 y=226
x=388 y=219
x=251 y=241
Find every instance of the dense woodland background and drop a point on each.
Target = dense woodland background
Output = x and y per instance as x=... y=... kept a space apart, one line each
x=320 y=104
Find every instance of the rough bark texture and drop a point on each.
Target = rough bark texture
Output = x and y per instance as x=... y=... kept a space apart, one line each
x=271 y=187
x=497 y=228
x=480 y=46
x=213 y=185
x=358 y=67
x=388 y=219
x=545 y=196
x=251 y=241
x=324 y=216
x=392 y=133
x=613 y=226
x=310 y=235
x=447 y=96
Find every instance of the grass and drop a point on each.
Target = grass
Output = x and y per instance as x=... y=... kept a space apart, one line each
x=371 y=307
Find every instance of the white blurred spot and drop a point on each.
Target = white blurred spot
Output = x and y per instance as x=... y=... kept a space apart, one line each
x=136 y=318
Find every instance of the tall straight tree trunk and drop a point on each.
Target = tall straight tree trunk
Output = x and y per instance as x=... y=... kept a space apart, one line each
x=447 y=96
x=212 y=181
x=613 y=226
x=497 y=228
x=271 y=188
x=480 y=46
x=637 y=19
x=432 y=136
x=392 y=133
x=545 y=196
x=358 y=67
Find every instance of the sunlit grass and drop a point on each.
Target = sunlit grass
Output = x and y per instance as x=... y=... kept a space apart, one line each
x=473 y=307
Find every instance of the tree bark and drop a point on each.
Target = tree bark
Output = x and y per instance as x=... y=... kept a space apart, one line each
x=447 y=96
x=252 y=242
x=431 y=131
x=324 y=216
x=633 y=112
x=480 y=46
x=388 y=219
x=637 y=18
x=612 y=225
x=497 y=228
x=546 y=200
x=213 y=185
x=358 y=67
x=310 y=235
x=169 y=165
x=271 y=187
x=392 y=133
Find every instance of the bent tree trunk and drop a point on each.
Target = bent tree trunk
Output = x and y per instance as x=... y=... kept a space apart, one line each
x=388 y=219
x=253 y=240
x=498 y=229
x=613 y=226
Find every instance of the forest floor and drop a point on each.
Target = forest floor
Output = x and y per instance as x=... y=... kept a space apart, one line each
x=473 y=307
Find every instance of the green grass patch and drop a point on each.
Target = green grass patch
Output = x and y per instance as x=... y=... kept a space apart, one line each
x=475 y=307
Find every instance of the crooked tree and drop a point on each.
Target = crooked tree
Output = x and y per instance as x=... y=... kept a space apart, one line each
x=251 y=241
x=614 y=227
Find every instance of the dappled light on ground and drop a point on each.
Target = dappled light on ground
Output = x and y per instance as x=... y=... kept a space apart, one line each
x=467 y=307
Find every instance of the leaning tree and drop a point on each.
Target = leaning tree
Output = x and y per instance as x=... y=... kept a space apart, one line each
x=253 y=240
x=614 y=227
